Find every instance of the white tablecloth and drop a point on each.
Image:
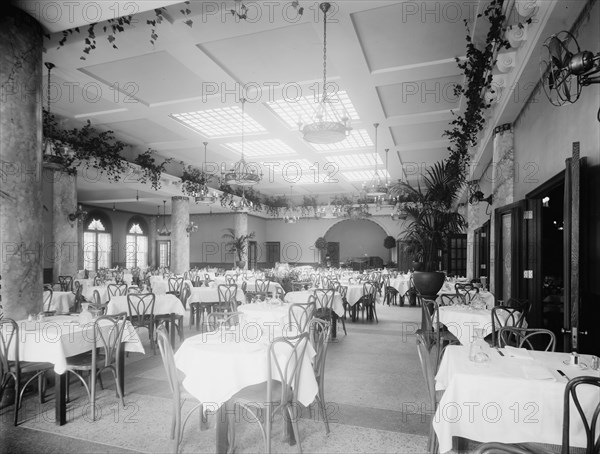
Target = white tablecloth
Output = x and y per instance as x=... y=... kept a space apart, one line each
x=302 y=297
x=61 y=302
x=163 y=304
x=354 y=293
x=496 y=401
x=462 y=320
x=211 y=295
x=272 y=317
x=56 y=338
x=217 y=366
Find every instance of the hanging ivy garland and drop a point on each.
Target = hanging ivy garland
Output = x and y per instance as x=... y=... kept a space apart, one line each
x=477 y=68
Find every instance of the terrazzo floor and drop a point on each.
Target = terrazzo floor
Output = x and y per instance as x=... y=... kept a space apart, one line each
x=376 y=400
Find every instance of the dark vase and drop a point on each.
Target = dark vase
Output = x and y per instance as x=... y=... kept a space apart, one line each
x=428 y=283
x=417 y=266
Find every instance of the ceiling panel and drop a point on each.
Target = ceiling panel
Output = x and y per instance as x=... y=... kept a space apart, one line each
x=150 y=78
x=420 y=132
x=144 y=130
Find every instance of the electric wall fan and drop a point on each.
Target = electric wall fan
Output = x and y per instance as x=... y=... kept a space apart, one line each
x=566 y=69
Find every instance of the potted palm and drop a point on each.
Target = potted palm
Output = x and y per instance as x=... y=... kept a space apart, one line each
x=430 y=219
x=237 y=244
x=389 y=242
x=321 y=246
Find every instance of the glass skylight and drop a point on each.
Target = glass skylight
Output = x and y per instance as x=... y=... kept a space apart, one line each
x=365 y=175
x=293 y=111
x=221 y=122
x=354 y=161
x=261 y=148
x=358 y=138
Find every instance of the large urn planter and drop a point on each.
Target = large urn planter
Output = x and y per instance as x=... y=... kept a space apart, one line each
x=428 y=283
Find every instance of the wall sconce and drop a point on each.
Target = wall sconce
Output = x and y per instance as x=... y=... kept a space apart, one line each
x=78 y=216
x=191 y=227
x=476 y=195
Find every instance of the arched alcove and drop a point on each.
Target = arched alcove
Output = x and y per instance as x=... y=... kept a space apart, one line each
x=358 y=238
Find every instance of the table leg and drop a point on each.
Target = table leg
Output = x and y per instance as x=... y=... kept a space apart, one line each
x=288 y=430
x=225 y=429
x=60 y=399
x=121 y=367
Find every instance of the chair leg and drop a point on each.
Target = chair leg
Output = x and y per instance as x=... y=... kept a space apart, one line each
x=321 y=399
x=344 y=326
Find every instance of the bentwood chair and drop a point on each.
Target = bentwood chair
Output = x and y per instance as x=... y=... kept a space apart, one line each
x=390 y=293
x=435 y=333
x=531 y=339
x=166 y=353
x=428 y=367
x=227 y=298
x=47 y=301
x=589 y=422
x=367 y=301
x=116 y=290
x=324 y=302
x=141 y=313
x=105 y=354
x=175 y=284
x=15 y=369
x=506 y=316
x=76 y=307
x=97 y=303
x=66 y=283
x=319 y=332
x=280 y=392
x=300 y=314
x=466 y=292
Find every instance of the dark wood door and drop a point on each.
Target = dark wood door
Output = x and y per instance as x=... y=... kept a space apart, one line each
x=252 y=255
x=481 y=251
x=273 y=251
x=333 y=251
x=456 y=261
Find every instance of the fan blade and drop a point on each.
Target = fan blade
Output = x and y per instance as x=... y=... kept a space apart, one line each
x=555 y=51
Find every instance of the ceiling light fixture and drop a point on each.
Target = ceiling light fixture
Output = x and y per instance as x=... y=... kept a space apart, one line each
x=243 y=204
x=242 y=173
x=328 y=124
x=204 y=196
x=376 y=188
x=291 y=215
x=163 y=231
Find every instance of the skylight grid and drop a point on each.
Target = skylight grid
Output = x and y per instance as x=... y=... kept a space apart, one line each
x=358 y=138
x=292 y=111
x=365 y=175
x=221 y=122
x=354 y=161
x=261 y=148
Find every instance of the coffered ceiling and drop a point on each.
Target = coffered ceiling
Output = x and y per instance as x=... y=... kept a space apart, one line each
x=393 y=62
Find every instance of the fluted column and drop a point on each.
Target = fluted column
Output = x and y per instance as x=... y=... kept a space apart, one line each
x=180 y=241
x=241 y=228
x=503 y=180
x=152 y=237
x=65 y=234
x=21 y=234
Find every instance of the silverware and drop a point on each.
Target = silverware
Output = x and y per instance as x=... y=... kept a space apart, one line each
x=562 y=373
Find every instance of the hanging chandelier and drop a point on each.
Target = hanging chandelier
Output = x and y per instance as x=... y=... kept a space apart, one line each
x=163 y=231
x=399 y=213
x=377 y=187
x=204 y=195
x=330 y=122
x=242 y=174
x=291 y=215
x=243 y=204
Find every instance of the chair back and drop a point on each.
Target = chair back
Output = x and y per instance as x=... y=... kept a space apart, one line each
x=175 y=284
x=319 y=331
x=229 y=279
x=47 y=299
x=505 y=316
x=96 y=299
x=197 y=281
x=427 y=366
x=466 y=292
x=116 y=290
x=284 y=364
x=261 y=286
x=531 y=339
x=108 y=335
x=450 y=299
x=429 y=315
x=168 y=359
x=9 y=332
x=186 y=292
x=227 y=297
x=370 y=290
x=76 y=307
x=217 y=320
x=589 y=420
x=300 y=314
x=66 y=283
x=324 y=302
x=141 y=307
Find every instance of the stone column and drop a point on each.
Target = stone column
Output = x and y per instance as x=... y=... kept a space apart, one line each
x=65 y=232
x=21 y=233
x=241 y=228
x=180 y=241
x=152 y=236
x=503 y=179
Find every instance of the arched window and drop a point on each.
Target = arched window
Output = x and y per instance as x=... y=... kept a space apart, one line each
x=137 y=243
x=97 y=241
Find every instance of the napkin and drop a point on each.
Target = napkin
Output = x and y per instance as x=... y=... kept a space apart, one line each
x=519 y=353
x=537 y=372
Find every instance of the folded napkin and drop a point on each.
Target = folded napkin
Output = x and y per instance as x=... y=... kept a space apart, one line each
x=537 y=372
x=519 y=353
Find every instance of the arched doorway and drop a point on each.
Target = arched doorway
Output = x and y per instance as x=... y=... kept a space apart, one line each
x=357 y=243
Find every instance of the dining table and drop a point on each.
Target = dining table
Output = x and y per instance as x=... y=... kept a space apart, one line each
x=55 y=339
x=514 y=397
x=210 y=294
x=62 y=302
x=163 y=304
x=219 y=364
